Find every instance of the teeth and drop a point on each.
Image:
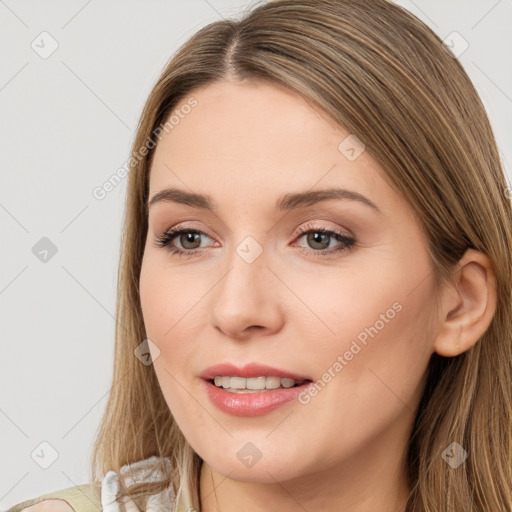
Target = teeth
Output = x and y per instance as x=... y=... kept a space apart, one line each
x=237 y=383
x=254 y=383
x=288 y=383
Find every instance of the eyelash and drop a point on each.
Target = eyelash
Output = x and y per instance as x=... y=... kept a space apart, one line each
x=166 y=238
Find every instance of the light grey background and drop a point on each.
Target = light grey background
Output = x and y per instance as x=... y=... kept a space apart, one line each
x=67 y=122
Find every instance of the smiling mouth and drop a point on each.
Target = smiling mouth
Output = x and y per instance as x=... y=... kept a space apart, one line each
x=260 y=384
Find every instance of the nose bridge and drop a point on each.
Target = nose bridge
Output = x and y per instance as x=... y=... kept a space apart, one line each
x=245 y=297
x=247 y=271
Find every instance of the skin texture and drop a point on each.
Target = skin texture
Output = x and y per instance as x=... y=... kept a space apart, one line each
x=245 y=144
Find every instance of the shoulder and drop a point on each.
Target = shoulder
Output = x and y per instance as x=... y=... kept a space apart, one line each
x=80 y=498
x=50 y=505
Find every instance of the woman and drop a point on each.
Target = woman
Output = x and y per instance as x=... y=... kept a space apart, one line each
x=338 y=334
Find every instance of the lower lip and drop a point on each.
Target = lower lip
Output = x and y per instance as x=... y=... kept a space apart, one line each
x=251 y=404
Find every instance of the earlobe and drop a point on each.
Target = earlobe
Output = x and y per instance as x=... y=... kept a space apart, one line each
x=467 y=305
x=448 y=343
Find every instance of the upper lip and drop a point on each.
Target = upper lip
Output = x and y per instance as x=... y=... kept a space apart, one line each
x=249 y=370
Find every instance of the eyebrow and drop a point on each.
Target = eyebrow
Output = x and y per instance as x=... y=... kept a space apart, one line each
x=284 y=203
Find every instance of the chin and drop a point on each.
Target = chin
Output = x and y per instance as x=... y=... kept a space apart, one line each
x=280 y=464
x=262 y=472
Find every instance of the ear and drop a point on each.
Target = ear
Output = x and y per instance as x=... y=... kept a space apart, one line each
x=467 y=305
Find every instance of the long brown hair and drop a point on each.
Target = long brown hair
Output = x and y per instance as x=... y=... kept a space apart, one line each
x=382 y=74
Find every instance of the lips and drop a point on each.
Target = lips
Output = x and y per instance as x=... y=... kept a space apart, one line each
x=250 y=370
x=251 y=403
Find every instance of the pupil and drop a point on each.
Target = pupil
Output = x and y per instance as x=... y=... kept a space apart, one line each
x=316 y=237
x=190 y=238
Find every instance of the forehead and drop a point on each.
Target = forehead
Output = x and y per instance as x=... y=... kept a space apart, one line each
x=259 y=140
x=239 y=120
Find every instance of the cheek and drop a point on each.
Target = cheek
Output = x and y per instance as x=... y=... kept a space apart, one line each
x=163 y=305
x=167 y=299
x=368 y=324
x=384 y=340
x=384 y=295
x=171 y=309
x=368 y=344
x=151 y=299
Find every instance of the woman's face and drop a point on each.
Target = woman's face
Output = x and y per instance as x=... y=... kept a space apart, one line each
x=259 y=283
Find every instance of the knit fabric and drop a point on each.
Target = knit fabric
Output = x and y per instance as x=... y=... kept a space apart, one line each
x=140 y=471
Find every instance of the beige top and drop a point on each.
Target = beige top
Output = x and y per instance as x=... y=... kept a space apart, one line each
x=88 y=498
x=82 y=498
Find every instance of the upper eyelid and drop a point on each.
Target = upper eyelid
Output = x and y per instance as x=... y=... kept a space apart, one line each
x=298 y=232
x=346 y=241
x=307 y=225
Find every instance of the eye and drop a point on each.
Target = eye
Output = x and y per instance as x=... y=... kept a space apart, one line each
x=316 y=236
x=185 y=236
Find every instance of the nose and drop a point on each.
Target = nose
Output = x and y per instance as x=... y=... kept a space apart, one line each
x=248 y=300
